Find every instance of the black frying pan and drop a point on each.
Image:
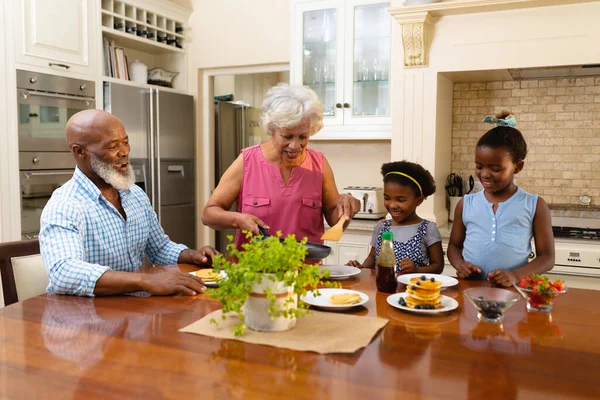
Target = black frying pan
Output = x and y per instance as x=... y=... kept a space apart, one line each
x=315 y=250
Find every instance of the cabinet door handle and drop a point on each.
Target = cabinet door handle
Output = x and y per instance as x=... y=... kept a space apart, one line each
x=338 y=105
x=346 y=105
x=65 y=66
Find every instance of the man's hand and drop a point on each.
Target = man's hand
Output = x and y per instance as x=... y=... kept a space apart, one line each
x=249 y=222
x=348 y=205
x=465 y=269
x=407 y=266
x=204 y=256
x=166 y=280
x=502 y=277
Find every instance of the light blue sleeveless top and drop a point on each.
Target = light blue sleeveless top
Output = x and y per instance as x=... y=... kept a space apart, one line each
x=501 y=240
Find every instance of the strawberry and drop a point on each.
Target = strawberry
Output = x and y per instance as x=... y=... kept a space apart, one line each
x=559 y=285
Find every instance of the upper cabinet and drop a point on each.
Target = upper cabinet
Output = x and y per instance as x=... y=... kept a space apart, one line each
x=341 y=49
x=56 y=35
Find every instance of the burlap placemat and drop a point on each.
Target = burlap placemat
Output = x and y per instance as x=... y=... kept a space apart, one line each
x=320 y=332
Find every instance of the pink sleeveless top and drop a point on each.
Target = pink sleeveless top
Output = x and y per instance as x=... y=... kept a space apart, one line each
x=293 y=208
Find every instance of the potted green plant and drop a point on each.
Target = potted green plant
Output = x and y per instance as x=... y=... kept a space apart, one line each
x=264 y=283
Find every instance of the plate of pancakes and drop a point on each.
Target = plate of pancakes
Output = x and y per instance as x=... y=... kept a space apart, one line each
x=423 y=296
x=447 y=281
x=209 y=276
x=335 y=299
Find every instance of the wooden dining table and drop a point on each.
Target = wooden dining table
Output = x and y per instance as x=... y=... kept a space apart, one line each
x=129 y=347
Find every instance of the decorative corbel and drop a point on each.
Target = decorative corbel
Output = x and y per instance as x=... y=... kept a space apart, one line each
x=416 y=28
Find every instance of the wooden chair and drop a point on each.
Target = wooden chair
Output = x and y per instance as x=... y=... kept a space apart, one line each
x=22 y=270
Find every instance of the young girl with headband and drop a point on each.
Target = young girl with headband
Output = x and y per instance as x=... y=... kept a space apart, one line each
x=492 y=231
x=417 y=242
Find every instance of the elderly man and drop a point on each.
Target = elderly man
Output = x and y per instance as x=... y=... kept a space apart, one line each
x=97 y=228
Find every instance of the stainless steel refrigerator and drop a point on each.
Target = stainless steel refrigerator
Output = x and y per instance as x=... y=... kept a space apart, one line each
x=160 y=126
x=237 y=125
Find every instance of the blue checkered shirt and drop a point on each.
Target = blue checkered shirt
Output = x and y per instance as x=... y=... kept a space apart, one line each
x=82 y=235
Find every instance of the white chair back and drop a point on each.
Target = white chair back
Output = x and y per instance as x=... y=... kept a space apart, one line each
x=30 y=275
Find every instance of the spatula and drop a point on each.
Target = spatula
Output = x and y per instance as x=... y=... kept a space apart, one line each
x=335 y=232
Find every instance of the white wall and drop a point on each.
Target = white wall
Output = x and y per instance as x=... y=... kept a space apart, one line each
x=355 y=163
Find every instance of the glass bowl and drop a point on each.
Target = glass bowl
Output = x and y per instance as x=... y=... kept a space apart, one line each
x=539 y=301
x=491 y=303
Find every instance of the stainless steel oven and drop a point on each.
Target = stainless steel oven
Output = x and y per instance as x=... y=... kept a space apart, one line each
x=45 y=104
x=36 y=189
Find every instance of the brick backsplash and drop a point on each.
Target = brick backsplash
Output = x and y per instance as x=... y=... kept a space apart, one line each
x=560 y=119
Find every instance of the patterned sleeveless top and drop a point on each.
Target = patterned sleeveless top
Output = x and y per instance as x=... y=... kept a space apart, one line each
x=410 y=249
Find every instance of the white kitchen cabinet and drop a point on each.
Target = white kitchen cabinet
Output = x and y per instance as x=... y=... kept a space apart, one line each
x=56 y=35
x=341 y=49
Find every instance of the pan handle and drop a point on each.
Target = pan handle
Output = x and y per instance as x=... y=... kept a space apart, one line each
x=263 y=231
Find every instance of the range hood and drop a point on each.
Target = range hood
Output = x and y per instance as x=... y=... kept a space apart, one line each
x=555 y=72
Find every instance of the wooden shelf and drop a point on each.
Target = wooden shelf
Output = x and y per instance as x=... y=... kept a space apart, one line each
x=142 y=86
x=457 y=7
x=145 y=24
x=133 y=42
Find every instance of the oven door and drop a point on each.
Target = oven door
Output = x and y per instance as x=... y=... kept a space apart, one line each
x=36 y=189
x=43 y=117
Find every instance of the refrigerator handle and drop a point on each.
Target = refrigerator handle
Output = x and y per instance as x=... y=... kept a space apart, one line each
x=151 y=155
x=157 y=136
x=244 y=128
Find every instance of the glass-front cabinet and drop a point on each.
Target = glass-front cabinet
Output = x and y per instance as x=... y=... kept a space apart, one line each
x=342 y=51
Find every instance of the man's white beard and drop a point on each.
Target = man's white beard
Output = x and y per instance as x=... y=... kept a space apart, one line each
x=112 y=176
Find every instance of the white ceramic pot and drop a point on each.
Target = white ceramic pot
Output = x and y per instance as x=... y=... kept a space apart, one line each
x=138 y=72
x=453 y=202
x=256 y=313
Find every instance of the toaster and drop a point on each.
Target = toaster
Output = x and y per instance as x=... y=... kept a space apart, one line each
x=371 y=201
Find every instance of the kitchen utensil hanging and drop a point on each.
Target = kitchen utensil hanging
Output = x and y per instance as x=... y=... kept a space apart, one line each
x=454 y=185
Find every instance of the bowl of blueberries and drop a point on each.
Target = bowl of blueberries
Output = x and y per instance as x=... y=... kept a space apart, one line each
x=491 y=303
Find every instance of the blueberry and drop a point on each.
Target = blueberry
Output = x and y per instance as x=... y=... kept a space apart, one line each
x=418 y=307
x=418 y=283
x=414 y=288
x=423 y=278
x=432 y=279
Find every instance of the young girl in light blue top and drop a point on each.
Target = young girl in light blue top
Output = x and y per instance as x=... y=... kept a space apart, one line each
x=492 y=231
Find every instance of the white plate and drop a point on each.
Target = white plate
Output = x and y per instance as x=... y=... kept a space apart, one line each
x=447 y=281
x=323 y=302
x=339 y=272
x=212 y=283
x=448 y=304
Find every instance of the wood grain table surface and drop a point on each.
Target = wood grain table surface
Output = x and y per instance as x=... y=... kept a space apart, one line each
x=129 y=347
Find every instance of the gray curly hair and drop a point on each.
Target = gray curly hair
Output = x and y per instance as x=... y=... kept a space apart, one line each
x=287 y=106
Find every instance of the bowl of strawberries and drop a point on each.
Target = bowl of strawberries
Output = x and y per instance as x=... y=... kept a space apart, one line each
x=539 y=291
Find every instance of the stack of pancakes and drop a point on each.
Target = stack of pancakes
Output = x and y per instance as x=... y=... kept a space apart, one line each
x=424 y=293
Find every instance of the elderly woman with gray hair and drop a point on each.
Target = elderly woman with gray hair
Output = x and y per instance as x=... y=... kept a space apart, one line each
x=281 y=184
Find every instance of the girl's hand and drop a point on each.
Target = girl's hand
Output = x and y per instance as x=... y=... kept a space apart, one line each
x=354 y=263
x=465 y=269
x=407 y=266
x=502 y=277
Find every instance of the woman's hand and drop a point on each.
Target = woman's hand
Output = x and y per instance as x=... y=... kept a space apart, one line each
x=502 y=277
x=249 y=222
x=347 y=205
x=407 y=266
x=465 y=269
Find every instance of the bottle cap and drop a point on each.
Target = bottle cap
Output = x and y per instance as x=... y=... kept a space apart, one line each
x=387 y=236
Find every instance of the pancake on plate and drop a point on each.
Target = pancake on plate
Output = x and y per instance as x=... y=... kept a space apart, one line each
x=208 y=275
x=423 y=293
x=345 y=298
